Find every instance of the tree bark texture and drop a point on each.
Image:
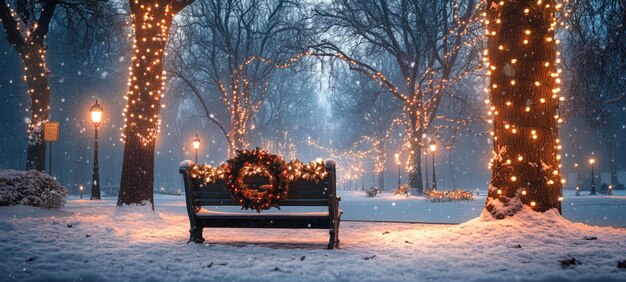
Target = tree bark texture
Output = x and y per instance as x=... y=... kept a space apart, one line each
x=524 y=97
x=381 y=180
x=415 y=164
x=151 y=24
x=36 y=73
x=610 y=137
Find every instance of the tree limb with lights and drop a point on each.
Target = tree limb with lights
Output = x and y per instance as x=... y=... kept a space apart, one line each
x=432 y=51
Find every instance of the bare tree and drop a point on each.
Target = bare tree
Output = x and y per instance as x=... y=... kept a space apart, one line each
x=291 y=112
x=231 y=50
x=365 y=113
x=597 y=67
x=430 y=42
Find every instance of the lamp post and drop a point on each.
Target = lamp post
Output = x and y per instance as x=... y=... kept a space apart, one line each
x=426 y=168
x=399 y=172
x=81 y=191
x=593 y=182
x=577 y=179
x=96 y=117
x=433 y=148
x=196 y=145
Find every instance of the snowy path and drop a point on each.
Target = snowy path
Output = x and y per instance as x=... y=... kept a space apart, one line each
x=105 y=243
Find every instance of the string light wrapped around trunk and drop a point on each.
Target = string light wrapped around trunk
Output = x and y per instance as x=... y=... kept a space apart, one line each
x=524 y=95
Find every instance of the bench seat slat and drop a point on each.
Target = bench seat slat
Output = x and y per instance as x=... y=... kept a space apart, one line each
x=275 y=214
x=248 y=222
x=300 y=191
x=292 y=194
x=289 y=202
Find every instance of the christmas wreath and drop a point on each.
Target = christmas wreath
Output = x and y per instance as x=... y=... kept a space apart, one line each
x=256 y=163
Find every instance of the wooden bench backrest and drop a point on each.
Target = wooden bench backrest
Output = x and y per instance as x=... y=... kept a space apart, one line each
x=301 y=192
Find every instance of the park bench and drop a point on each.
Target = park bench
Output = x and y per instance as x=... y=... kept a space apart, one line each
x=302 y=193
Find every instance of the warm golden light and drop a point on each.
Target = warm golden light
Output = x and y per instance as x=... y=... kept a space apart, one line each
x=433 y=146
x=592 y=161
x=96 y=113
x=196 y=142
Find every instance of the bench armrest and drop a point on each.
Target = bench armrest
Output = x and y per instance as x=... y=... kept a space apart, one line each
x=185 y=171
x=185 y=165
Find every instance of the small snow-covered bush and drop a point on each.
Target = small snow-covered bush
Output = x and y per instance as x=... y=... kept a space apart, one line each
x=448 y=196
x=30 y=188
x=372 y=192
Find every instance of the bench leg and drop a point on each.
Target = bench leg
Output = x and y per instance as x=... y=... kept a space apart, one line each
x=337 y=234
x=196 y=235
x=331 y=242
x=334 y=236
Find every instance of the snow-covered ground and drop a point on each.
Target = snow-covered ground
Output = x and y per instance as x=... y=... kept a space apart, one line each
x=593 y=210
x=95 y=241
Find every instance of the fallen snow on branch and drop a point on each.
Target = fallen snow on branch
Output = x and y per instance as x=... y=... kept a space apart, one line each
x=96 y=241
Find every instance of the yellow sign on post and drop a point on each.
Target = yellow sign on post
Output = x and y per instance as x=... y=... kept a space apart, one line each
x=51 y=131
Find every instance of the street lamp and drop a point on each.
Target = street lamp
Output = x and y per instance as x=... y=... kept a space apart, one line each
x=96 y=118
x=196 y=145
x=81 y=191
x=577 y=180
x=433 y=148
x=399 y=172
x=426 y=168
x=593 y=182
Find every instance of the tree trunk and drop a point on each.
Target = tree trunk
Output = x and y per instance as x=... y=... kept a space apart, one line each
x=36 y=75
x=236 y=136
x=381 y=179
x=609 y=147
x=137 y=173
x=415 y=166
x=151 y=23
x=524 y=98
